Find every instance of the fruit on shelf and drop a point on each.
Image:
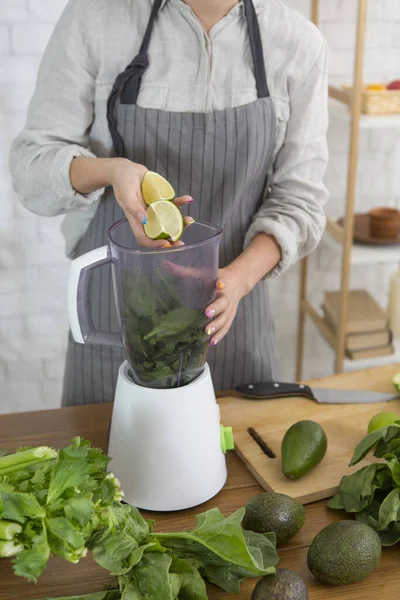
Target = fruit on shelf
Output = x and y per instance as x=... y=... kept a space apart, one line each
x=375 y=87
x=394 y=85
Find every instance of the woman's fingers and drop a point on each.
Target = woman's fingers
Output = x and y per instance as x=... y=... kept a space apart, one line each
x=137 y=217
x=183 y=200
x=221 y=333
x=188 y=221
x=218 y=324
x=217 y=307
x=187 y=272
x=220 y=284
x=140 y=235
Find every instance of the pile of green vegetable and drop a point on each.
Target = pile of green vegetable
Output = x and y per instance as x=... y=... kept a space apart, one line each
x=65 y=504
x=373 y=492
x=165 y=342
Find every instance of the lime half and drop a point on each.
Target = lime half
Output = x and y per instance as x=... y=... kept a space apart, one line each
x=164 y=221
x=396 y=382
x=155 y=188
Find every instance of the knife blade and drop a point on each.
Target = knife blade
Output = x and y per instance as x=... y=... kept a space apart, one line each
x=272 y=390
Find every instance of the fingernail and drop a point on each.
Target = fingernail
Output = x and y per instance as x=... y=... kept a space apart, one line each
x=210 y=330
x=166 y=246
x=220 y=285
x=142 y=218
x=190 y=221
x=214 y=342
x=210 y=313
x=190 y=200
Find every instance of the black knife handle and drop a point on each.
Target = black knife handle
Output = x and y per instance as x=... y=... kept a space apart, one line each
x=271 y=389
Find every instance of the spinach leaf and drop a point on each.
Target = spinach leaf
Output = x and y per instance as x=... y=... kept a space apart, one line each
x=165 y=340
x=383 y=435
x=357 y=490
x=262 y=549
x=130 y=592
x=394 y=466
x=373 y=493
x=112 y=550
x=390 y=447
x=389 y=511
x=370 y=515
x=219 y=545
x=336 y=502
x=137 y=526
x=388 y=536
x=391 y=536
x=192 y=584
x=173 y=323
x=153 y=579
x=175 y=581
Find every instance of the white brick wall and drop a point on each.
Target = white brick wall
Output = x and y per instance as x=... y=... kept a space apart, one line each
x=33 y=269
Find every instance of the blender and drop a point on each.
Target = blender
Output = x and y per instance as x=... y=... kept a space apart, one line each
x=166 y=441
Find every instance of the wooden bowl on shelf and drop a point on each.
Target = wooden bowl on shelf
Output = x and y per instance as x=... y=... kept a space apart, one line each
x=384 y=223
x=362 y=232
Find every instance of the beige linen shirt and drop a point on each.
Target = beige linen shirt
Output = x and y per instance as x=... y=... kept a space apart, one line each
x=189 y=71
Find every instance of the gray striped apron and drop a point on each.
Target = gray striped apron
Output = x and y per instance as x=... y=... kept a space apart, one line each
x=221 y=159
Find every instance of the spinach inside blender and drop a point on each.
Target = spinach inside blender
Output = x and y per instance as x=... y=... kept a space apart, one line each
x=165 y=341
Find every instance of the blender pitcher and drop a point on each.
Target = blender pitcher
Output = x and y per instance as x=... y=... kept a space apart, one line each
x=160 y=295
x=166 y=439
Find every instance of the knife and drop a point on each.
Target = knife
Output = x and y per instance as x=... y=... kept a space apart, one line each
x=273 y=390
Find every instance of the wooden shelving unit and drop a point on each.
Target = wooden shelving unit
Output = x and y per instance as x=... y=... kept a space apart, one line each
x=346 y=105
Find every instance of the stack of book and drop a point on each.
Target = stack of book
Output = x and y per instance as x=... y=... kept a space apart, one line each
x=367 y=329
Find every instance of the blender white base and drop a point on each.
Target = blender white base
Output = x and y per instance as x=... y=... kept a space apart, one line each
x=166 y=444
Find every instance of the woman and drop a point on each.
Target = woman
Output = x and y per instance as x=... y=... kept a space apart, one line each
x=228 y=101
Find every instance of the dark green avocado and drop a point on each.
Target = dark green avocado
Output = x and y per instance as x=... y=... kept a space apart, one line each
x=275 y=513
x=284 y=585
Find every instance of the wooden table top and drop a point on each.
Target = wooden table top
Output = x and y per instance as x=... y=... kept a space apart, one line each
x=57 y=427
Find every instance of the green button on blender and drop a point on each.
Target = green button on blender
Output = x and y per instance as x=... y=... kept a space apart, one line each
x=227 y=442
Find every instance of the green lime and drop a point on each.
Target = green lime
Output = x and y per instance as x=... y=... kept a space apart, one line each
x=396 y=382
x=164 y=221
x=382 y=419
x=155 y=188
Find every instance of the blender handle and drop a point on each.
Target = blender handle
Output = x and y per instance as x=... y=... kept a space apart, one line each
x=79 y=307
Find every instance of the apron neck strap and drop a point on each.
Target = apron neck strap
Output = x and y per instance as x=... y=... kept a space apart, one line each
x=127 y=85
x=256 y=49
x=149 y=30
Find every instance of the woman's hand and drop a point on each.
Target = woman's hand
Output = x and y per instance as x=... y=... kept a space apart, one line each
x=237 y=280
x=223 y=310
x=126 y=180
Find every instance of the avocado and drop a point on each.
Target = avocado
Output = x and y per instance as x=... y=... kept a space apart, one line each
x=304 y=445
x=284 y=585
x=275 y=513
x=344 y=552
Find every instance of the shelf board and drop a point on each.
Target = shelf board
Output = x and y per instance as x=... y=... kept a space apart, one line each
x=340 y=110
x=351 y=365
x=362 y=254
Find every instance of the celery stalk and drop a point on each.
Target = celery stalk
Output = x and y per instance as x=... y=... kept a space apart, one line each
x=8 y=530
x=8 y=549
x=26 y=458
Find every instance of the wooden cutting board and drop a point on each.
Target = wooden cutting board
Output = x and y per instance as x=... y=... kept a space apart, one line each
x=345 y=426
